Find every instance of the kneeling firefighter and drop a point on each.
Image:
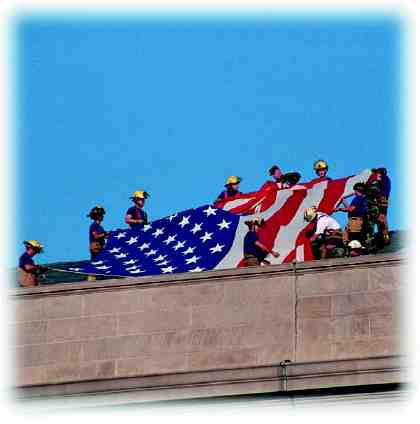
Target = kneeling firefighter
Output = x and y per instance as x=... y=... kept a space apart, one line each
x=28 y=270
x=255 y=251
x=326 y=236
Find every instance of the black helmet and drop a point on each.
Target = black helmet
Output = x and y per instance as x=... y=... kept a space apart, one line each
x=381 y=171
x=96 y=212
x=359 y=187
x=290 y=177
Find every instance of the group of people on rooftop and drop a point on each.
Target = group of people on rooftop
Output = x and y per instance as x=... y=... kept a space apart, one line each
x=367 y=210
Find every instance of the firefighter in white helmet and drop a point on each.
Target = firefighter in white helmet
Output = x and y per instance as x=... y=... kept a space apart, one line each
x=326 y=236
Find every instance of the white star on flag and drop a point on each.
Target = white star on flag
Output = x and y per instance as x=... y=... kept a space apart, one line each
x=223 y=224
x=197 y=227
x=217 y=248
x=168 y=269
x=185 y=221
x=97 y=263
x=188 y=251
x=130 y=262
x=120 y=235
x=121 y=255
x=147 y=227
x=151 y=252
x=103 y=267
x=192 y=260
x=160 y=258
x=144 y=246
x=75 y=269
x=163 y=263
x=136 y=271
x=179 y=245
x=115 y=250
x=170 y=239
x=132 y=240
x=158 y=232
x=196 y=269
x=207 y=236
x=210 y=211
x=171 y=217
x=132 y=267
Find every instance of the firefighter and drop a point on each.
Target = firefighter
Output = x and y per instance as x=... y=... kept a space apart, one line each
x=97 y=234
x=372 y=216
x=383 y=184
x=355 y=248
x=356 y=214
x=232 y=189
x=276 y=183
x=321 y=170
x=255 y=251
x=28 y=270
x=135 y=216
x=326 y=236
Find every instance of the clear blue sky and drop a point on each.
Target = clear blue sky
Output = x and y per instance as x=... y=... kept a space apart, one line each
x=109 y=106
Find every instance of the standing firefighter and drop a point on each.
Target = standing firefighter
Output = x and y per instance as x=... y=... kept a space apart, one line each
x=357 y=211
x=255 y=252
x=383 y=183
x=232 y=189
x=28 y=271
x=326 y=237
x=321 y=170
x=97 y=234
x=135 y=216
x=276 y=183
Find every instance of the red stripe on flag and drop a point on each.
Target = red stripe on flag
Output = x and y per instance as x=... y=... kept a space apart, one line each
x=282 y=217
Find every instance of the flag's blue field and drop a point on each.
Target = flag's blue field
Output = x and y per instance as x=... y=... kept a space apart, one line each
x=190 y=241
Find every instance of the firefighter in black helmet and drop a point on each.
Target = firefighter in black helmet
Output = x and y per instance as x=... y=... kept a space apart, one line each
x=97 y=234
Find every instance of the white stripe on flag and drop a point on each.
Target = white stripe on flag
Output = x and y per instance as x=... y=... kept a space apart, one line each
x=300 y=253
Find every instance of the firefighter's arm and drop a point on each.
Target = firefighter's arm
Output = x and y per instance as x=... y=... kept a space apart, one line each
x=266 y=249
x=99 y=236
x=130 y=220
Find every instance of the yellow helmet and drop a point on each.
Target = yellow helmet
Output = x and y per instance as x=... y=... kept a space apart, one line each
x=233 y=179
x=310 y=214
x=320 y=164
x=140 y=194
x=34 y=244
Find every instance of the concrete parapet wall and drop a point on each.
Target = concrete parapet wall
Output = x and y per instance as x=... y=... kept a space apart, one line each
x=232 y=319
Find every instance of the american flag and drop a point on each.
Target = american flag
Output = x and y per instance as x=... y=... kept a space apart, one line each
x=209 y=238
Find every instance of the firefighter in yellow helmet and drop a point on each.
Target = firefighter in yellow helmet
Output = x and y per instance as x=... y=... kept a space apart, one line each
x=28 y=270
x=232 y=189
x=135 y=216
x=321 y=170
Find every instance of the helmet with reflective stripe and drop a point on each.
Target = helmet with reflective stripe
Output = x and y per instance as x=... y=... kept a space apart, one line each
x=233 y=179
x=35 y=244
x=320 y=164
x=96 y=212
x=140 y=194
x=310 y=214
